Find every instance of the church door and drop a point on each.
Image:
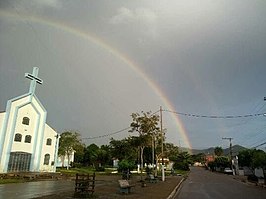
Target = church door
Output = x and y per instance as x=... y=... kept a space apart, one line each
x=19 y=161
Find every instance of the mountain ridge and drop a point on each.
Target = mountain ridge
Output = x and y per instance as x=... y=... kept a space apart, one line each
x=210 y=151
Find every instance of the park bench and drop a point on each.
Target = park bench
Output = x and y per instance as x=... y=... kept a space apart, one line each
x=84 y=185
x=124 y=186
x=152 y=179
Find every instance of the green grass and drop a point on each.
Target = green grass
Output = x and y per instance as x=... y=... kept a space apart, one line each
x=177 y=171
x=85 y=170
x=182 y=172
x=8 y=181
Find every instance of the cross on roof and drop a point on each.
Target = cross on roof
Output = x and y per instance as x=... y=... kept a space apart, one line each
x=34 y=78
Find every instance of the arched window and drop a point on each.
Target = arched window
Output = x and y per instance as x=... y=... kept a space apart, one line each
x=46 y=159
x=28 y=139
x=49 y=141
x=18 y=137
x=26 y=121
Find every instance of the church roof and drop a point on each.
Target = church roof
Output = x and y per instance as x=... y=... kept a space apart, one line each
x=26 y=95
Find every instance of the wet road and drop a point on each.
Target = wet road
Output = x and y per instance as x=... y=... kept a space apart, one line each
x=34 y=189
x=203 y=184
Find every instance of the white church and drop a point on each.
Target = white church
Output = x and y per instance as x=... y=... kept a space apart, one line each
x=27 y=143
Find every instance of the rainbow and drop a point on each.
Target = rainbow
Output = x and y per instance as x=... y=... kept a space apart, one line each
x=124 y=58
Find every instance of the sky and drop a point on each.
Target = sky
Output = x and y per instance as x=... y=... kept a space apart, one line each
x=101 y=61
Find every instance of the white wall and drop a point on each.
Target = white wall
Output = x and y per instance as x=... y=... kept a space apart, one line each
x=48 y=149
x=27 y=106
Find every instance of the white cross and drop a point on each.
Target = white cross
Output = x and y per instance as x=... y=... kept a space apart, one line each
x=34 y=78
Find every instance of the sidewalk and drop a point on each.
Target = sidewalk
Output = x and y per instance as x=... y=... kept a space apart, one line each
x=107 y=188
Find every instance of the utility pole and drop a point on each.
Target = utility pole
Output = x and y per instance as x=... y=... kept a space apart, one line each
x=231 y=152
x=162 y=136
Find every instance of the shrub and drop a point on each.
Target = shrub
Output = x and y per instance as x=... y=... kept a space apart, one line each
x=125 y=165
x=252 y=178
x=148 y=170
x=181 y=165
x=100 y=169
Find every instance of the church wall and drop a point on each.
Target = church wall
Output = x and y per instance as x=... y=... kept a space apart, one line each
x=2 y=115
x=24 y=134
x=38 y=143
x=30 y=107
x=9 y=128
x=25 y=130
x=48 y=149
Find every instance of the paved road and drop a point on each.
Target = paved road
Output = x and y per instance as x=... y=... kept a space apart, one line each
x=33 y=189
x=203 y=184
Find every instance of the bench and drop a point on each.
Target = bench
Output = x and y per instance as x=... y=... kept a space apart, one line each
x=152 y=179
x=124 y=186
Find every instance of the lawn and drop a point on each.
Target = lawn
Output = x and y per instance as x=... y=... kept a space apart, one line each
x=85 y=170
x=8 y=181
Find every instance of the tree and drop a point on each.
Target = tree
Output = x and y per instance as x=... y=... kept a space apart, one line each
x=103 y=157
x=200 y=157
x=69 y=142
x=124 y=149
x=252 y=158
x=79 y=154
x=222 y=161
x=259 y=159
x=218 y=151
x=90 y=155
x=182 y=161
x=106 y=156
x=171 y=151
x=146 y=124
x=98 y=157
x=245 y=157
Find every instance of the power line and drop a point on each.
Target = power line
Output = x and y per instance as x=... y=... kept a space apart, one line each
x=216 y=116
x=113 y=133
x=106 y=135
x=260 y=145
x=253 y=136
x=183 y=114
x=257 y=142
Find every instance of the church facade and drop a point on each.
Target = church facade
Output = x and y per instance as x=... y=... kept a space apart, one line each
x=27 y=143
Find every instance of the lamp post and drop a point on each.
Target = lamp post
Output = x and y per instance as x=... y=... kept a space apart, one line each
x=162 y=136
x=231 y=153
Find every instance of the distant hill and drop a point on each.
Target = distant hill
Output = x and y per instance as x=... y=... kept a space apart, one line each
x=235 y=150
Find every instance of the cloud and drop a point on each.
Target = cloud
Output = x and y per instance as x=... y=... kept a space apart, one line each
x=126 y=16
x=49 y=3
x=26 y=5
x=142 y=20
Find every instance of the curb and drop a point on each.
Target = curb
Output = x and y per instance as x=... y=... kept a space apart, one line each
x=175 y=189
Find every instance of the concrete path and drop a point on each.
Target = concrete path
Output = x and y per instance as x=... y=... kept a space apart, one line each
x=106 y=188
x=33 y=189
x=203 y=184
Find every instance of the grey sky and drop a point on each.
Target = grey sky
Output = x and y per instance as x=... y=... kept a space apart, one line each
x=207 y=57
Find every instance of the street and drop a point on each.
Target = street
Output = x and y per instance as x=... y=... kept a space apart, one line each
x=203 y=184
x=34 y=189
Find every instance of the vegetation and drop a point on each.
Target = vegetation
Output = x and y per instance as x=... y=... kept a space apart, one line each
x=218 y=151
x=200 y=157
x=252 y=158
x=69 y=142
x=8 y=181
x=183 y=160
x=146 y=124
x=145 y=147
